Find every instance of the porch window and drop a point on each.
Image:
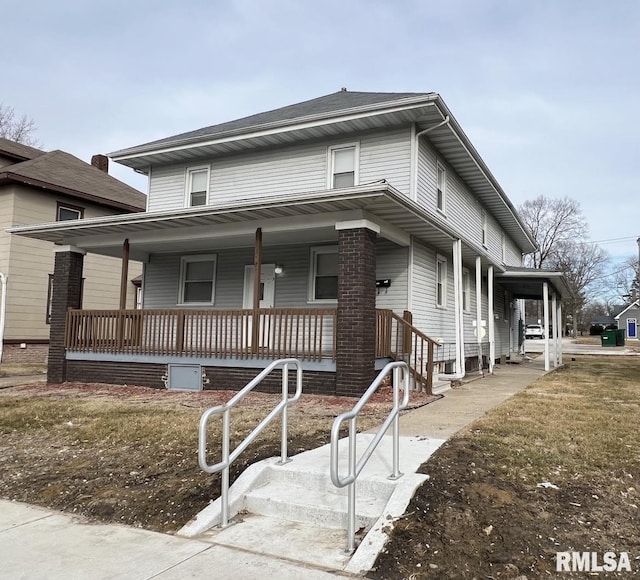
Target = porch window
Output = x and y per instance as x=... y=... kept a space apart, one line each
x=324 y=274
x=441 y=282
x=466 y=302
x=197 y=186
x=343 y=166
x=441 y=187
x=197 y=279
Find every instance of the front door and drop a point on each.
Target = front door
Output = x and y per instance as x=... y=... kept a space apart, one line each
x=632 y=328
x=267 y=286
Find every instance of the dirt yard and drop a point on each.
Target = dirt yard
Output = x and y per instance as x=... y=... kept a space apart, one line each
x=129 y=454
x=556 y=468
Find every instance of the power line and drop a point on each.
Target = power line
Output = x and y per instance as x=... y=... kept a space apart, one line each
x=613 y=240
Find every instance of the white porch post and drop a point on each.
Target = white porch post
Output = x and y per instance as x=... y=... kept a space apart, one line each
x=492 y=329
x=545 y=303
x=561 y=333
x=554 y=322
x=479 y=310
x=457 y=289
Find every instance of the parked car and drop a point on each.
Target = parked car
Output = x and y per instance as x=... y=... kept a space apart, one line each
x=533 y=331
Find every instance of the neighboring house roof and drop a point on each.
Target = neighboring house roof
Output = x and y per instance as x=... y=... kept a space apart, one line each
x=18 y=151
x=332 y=116
x=635 y=304
x=63 y=173
x=602 y=320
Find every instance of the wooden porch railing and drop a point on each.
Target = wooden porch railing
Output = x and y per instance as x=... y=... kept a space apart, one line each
x=397 y=338
x=281 y=332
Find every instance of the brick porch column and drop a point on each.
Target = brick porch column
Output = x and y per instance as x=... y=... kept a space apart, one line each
x=67 y=293
x=356 y=320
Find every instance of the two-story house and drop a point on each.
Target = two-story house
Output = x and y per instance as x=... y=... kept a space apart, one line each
x=38 y=186
x=347 y=230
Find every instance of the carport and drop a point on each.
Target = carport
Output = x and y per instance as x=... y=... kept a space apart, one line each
x=550 y=287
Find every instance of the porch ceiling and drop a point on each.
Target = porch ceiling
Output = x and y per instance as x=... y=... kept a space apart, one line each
x=284 y=220
x=528 y=283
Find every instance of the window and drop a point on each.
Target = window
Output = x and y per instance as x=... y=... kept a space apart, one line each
x=503 y=241
x=441 y=185
x=197 y=186
x=441 y=281
x=343 y=166
x=197 y=279
x=323 y=283
x=65 y=212
x=49 y=299
x=483 y=223
x=466 y=297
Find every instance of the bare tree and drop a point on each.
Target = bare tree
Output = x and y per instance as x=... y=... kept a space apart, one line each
x=583 y=265
x=19 y=129
x=552 y=222
x=626 y=279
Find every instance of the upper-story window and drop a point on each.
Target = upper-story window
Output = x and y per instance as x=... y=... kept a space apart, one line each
x=197 y=186
x=343 y=165
x=503 y=241
x=441 y=281
x=483 y=224
x=323 y=283
x=66 y=212
x=441 y=187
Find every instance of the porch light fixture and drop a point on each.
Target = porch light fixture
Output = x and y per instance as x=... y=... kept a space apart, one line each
x=279 y=269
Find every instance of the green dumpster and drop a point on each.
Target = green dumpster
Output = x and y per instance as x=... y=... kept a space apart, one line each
x=608 y=338
x=620 y=337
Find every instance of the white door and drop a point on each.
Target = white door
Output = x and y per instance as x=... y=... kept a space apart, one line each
x=267 y=286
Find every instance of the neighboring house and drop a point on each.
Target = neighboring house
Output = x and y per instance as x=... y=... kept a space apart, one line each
x=38 y=186
x=347 y=230
x=628 y=320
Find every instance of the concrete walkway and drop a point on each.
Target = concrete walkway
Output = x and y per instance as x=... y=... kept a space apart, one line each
x=39 y=543
x=21 y=380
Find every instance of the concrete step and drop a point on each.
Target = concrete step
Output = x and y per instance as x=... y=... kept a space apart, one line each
x=315 y=502
x=289 y=540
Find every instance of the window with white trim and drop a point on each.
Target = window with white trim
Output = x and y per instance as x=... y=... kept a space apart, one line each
x=503 y=241
x=466 y=289
x=197 y=279
x=66 y=212
x=441 y=281
x=197 y=186
x=323 y=283
x=441 y=184
x=483 y=223
x=343 y=163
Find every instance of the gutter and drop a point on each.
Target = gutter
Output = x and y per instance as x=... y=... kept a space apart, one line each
x=3 y=310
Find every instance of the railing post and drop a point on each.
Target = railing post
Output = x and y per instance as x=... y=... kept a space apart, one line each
x=283 y=438
x=396 y=421
x=180 y=331
x=406 y=335
x=430 y=368
x=351 y=524
x=224 y=484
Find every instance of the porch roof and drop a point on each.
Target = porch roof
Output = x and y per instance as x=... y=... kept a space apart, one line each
x=226 y=225
x=527 y=283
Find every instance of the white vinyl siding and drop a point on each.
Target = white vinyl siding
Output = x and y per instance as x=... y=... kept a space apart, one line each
x=287 y=170
x=466 y=290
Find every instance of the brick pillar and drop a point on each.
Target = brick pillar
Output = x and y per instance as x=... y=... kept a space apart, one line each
x=67 y=293
x=356 y=324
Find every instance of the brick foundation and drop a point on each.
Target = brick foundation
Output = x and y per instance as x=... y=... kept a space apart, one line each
x=32 y=353
x=220 y=378
x=356 y=318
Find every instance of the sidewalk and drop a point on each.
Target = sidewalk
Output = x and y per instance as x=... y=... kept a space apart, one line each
x=39 y=543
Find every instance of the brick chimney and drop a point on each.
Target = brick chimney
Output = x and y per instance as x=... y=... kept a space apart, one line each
x=101 y=162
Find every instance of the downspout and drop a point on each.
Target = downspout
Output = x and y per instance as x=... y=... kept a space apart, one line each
x=3 y=310
x=458 y=318
x=491 y=317
x=415 y=145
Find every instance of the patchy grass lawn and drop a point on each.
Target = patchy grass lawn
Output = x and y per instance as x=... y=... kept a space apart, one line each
x=22 y=369
x=129 y=454
x=555 y=468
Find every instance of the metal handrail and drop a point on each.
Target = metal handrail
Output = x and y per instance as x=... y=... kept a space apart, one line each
x=356 y=467
x=227 y=456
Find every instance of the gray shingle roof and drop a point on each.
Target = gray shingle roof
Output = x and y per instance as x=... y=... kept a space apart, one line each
x=64 y=173
x=18 y=151
x=333 y=103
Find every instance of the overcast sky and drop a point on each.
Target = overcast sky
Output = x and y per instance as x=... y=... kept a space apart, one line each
x=547 y=90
